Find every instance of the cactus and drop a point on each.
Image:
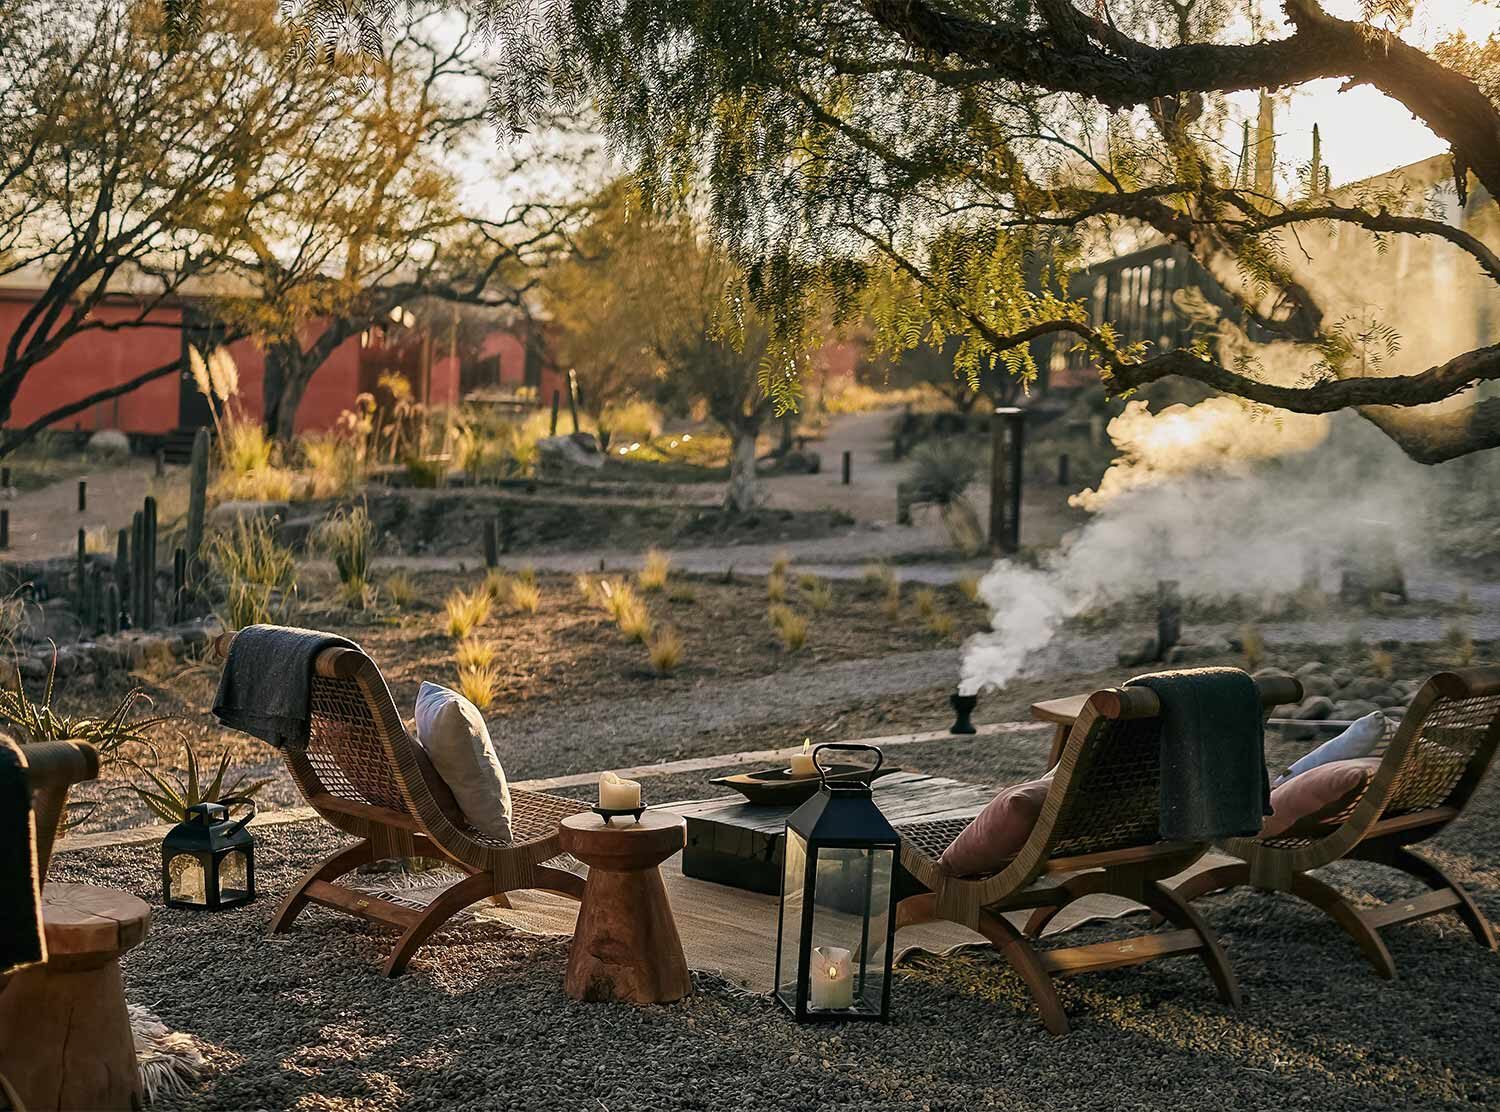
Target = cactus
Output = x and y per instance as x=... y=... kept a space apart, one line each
x=112 y=606
x=137 y=559
x=491 y=542
x=148 y=564
x=197 y=501
x=123 y=578
x=179 y=585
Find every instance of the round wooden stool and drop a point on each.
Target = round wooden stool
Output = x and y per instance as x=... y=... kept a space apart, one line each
x=65 y=1038
x=625 y=946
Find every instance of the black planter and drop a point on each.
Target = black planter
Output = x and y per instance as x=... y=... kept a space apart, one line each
x=963 y=707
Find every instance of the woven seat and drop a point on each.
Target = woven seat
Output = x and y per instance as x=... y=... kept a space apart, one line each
x=1431 y=764
x=1097 y=833
x=367 y=776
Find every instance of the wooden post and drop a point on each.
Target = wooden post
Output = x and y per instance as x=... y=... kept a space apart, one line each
x=1007 y=424
x=507 y=529
x=83 y=495
x=556 y=398
x=4 y=529
x=903 y=503
x=161 y=462
x=1062 y=469
x=848 y=466
x=83 y=559
x=572 y=401
x=491 y=542
x=5 y=478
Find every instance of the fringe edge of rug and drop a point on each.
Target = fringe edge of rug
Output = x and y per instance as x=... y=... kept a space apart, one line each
x=170 y=1062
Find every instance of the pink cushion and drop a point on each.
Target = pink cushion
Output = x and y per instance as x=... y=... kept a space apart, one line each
x=999 y=831
x=1319 y=795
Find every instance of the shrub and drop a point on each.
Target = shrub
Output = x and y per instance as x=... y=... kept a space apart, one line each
x=1382 y=663
x=426 y=473
x=808 y=581
x=32 y=721
x=466 y=611
x=473 y=450
x=334 y=465
x=526 y=597
x=969 y=585
x=247 y=466
x=401 y=589
x=259 y=575
x=630 y=421
x=585 y=586
x=781 y=564
x=940 y=623
x=819 y=596
x=683 y=592
x=498 y=586
x=926 y=601
x=473 y=653
x=635 y=620
x=942 y=470
x=526 y=573
x=665 y=650
x=347 y=539
x=653 y=573
x=172 y=796
x=478 y=685
x=791 y=627
x=1460 y=643
x=776 y=587
x=878 y=578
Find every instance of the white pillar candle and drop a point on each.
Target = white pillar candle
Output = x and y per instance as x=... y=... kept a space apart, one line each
x=802 y=763
x=830 y=980
x=617 y=793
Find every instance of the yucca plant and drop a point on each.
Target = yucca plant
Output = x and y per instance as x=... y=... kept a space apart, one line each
x=173 y=796
x=941 y=472
x=30 y=720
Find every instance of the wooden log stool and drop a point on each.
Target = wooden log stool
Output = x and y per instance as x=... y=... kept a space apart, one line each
x=65 y=1038
x=626 y=945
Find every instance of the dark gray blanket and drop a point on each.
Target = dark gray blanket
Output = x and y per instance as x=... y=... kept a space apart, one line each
x=1213 y=757
x=265 y=689
x=20 y=886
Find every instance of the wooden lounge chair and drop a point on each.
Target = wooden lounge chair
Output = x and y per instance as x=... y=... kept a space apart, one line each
x=363 y=773
x=1097 y=833
x=1432 y=763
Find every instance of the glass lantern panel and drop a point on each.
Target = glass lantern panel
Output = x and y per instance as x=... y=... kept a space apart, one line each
x=233 y=876
x=850 y=928
x=788 y=970
x=187 y=882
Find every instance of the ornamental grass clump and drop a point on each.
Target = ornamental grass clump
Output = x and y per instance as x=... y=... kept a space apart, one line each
x=525 y=597
x=654 y=572
x=477 y=684
x=890 y=606
x=586 y=587
x=401 y=589
x=635 y=620
x=471 y=652
x=665 y=650
x=776 y=587
x=819 y=595
x=347 y=539
x=259 y=575
x=790 y=626
x=497 y=585
x=616 y=597
x=926 y=600
x=969 y=585
x=940 y=624
x=466 y=611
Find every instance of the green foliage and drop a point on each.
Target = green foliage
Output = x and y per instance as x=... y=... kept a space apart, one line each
x=258 y=575
x=30 y=720
x=348 y=537
x=941 y=471
x=170 y=796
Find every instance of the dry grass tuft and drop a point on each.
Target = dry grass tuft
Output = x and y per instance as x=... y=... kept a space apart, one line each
x=478 y=685
x=1460 y=643
x=890 y=606
x=776 y=587
x=781 y=564
x=1254 y=647
x=635 y=620
x=969 y=585
x=682 y=592
x=466 y=611
x=401 y=589
x=807 y=581
x=940 y=624
x=497 y=585
x=586 y=587
x=665 y=651
x=790 y=626
x=1382 y=663
x=926 y=601
x=819 y=596
x=473 y=653
x=653 y=574
x=525 y=597
x=526 y=573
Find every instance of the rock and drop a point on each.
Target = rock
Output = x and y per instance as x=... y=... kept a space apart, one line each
x=1142 y=650
x=1316 y=683
x=1314 y=708
x=564 y=453
x=1312 y=667
x=1387 y=700
x=1349 y=709
x=109 y=444
x=1365 y=687
x=1341 y=677
x=1193 y=652
x=1270 y=673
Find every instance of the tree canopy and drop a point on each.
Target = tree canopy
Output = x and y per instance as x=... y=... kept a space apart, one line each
x=967 y=153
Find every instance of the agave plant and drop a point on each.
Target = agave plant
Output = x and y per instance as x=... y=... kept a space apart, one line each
x=173 y=796
x=33 y=721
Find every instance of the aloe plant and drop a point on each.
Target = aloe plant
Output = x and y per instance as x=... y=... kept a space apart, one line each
x=174 y=796
x=33 y=721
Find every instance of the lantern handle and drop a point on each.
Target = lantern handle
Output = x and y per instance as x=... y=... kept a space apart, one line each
x=239 y=824
x=853 y=746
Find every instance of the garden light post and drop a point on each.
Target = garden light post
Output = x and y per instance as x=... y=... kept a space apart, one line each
x=1007 y=432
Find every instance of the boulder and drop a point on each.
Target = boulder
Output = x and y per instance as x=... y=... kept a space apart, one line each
x=1270 y=673
x=1341 y=677
x=109 y=444
x=1314 y=708
x=576 y=451
x=1316 y=683
x=1141 y=650
x=1311 y=668
x=1193 y=652
x=1365 y=687
x=1349 y=709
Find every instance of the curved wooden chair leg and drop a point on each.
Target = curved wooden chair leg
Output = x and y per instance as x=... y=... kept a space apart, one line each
x=1220 y=877
x=454 y=899
x=1025 y=961
x=561 y=881
x=1086 y=884
x=921 y=908
x=1435 y=878
x=330 y=868
x=1172 y=907
x=1333 y=903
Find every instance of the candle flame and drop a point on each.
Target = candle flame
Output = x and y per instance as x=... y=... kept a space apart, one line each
x=806 y=744
x=833 y=971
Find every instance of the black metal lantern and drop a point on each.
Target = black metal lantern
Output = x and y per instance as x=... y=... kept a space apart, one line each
x=208 y=861
x=835 y=937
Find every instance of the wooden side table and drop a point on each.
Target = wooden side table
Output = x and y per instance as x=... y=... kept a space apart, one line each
x=626 y=945
x=65 y=1038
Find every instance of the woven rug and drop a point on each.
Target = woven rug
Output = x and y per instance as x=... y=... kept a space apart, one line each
x=725 y=930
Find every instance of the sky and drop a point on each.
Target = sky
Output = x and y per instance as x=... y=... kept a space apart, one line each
x=1363 y=132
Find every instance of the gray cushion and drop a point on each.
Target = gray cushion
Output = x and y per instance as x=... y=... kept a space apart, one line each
x=1359 y=740
x=452 y=731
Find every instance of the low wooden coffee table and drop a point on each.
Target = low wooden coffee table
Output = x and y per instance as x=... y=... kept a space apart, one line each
x=736 y=843
x=625 y=946
x=65 y=1038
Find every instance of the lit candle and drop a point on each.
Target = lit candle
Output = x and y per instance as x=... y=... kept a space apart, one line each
x=802 y=763
x=618 y=794
x=830 y=985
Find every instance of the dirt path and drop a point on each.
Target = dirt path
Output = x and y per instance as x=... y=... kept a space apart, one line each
x=45 y=522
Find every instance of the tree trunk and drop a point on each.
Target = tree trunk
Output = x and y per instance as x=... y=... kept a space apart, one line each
x=740 y=496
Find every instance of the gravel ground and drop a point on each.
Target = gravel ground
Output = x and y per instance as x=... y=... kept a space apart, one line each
x=480 y=1021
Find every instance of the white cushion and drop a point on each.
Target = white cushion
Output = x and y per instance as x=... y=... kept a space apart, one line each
x=457 y=741
x=1359 y=740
